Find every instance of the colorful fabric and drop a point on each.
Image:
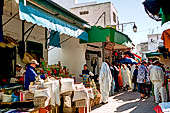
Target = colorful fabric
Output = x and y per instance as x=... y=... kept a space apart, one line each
x=166 y=38
x=142 y=73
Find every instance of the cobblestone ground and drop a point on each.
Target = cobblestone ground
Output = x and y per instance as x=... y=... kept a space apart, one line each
x=126 y=102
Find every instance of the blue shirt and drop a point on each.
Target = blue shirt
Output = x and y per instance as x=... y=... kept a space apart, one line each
x=29 y=76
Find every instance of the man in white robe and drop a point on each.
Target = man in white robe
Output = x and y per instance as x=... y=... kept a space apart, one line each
x=157 y=78
x=105 y=79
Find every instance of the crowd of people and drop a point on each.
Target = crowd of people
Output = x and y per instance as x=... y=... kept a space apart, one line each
x=148 y=78
x=145 y=77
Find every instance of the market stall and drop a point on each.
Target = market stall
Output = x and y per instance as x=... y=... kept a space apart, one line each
x=58 y=92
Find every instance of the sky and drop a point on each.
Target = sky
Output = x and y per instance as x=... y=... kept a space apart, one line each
x=133 y=11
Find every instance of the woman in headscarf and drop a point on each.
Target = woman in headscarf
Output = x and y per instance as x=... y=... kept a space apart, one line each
x=125 y=76
x=105 y=79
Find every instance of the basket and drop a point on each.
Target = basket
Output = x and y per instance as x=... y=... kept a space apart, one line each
x=40 y=101
x=6 y=98
x=29 y=96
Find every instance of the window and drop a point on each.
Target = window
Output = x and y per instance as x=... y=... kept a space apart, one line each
x=35 y=49
x=114 y=17
x=84 y=12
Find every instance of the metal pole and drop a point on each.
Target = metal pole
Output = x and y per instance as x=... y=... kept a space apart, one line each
x=122 y=28
x=46 y=40
x=103 y=43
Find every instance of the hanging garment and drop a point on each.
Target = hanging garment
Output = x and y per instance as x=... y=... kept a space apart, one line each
x=105 y=79
x=166 y=38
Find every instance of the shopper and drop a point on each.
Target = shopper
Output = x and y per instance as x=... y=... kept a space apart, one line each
x=30 y=73
x=134 y=78
x=112 y=91
x=120 y=80
x=157 y=78
x=125 y=76
x=141 y=79
x=115 y=76
x=105 y=80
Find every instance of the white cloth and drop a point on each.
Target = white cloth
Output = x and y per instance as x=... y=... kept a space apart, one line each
x=105 y=79
x=165 y=106
x=53 y=86
x=159 y=89
x=125 y=76
x=43 y=92
x=67 y=84
x=81 y=94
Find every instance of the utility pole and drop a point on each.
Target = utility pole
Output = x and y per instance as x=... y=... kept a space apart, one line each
x=103 y=43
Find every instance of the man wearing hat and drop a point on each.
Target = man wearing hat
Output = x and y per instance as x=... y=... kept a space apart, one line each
x=30 y=73
x=157 y=78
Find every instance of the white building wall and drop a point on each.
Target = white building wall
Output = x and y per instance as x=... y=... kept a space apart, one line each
x=67 y=4
x=154 y=41
x=95 y=11
x=14 y=28
x=71 y=54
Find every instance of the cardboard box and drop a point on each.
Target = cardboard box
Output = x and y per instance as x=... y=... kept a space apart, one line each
x=69 y=110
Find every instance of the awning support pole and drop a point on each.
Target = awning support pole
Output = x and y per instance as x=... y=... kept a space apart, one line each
x=10 y=19
x=61 y=43
x=25 y=32
x=46 y=38
x=29 y=33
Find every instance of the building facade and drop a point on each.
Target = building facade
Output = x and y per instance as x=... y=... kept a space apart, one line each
x=94 y=14
x=154 y=41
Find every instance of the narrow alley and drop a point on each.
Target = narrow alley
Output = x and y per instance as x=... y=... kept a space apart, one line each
x=126 y=102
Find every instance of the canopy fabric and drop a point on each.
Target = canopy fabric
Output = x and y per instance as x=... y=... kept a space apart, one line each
x=99 y=34
x=166 y=38
x=153 y=54
x=40 y=17
x=165 y=17
x=127 y=61
x=54 y=39
x=136 y=55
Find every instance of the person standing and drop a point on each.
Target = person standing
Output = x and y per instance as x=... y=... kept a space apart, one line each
x=30 y=73
x=133 y=67
x=141 y=79
x=125 y=76
x=115 y=76
x=105 y=80
x=157 y=78
x=86 y=74
x=120 y=81
x=112 y=91
x=134 y=78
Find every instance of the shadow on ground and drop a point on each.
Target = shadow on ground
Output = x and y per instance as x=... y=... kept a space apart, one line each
x=133 y=102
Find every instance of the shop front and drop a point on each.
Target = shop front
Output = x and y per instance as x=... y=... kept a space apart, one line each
x=108 y=41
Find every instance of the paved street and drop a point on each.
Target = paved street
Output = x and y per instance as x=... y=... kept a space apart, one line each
x=126 y=102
